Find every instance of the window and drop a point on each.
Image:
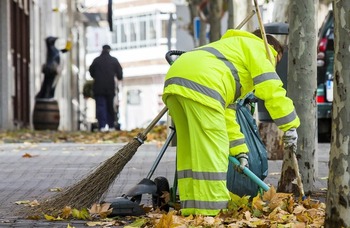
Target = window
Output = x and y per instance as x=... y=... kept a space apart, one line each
x=123 y=34
x=132 y=32
x=143 y=30
x=151 y=30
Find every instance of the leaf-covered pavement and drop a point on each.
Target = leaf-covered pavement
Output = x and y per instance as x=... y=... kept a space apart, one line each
x=272 y=209
x=158 y=134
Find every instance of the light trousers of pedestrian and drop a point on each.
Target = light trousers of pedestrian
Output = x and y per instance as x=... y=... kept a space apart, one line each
x=105 y=110
x=202 y=156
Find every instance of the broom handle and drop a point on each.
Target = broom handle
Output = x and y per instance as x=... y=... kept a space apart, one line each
x=263 y=34
x=155 y=121
x=245 y=20
x=296 y=170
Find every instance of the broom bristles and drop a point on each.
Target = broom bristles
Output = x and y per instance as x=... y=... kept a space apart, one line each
x=90 y=189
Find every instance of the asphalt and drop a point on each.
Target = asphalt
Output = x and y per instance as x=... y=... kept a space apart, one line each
x=58 y=165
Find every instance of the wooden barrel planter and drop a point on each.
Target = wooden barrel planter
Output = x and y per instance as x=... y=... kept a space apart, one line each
x=46 y=115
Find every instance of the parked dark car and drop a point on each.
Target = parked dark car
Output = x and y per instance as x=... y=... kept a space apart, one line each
x=325 y=61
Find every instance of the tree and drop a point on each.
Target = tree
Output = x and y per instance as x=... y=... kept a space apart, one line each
x=211 y=12
x=193 y=6
x=216 y=11
x=301 y=88
x=338 y=197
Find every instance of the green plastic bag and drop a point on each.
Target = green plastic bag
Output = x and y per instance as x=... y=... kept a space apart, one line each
x=237 y=183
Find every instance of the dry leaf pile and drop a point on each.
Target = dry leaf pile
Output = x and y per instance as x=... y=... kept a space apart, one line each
x=272 y=209
x=158 y=133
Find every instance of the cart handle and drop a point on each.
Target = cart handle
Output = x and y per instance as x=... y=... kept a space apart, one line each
x=250 y=174
x=170 y=53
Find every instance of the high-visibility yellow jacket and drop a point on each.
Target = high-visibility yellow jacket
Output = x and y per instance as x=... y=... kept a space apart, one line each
x=219 y=73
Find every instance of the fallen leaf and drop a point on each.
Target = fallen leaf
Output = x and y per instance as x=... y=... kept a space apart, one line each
x=137 y=223
x=101 y=223
x=274 y=174
x=26 y=155
x=34 y=203
x=268 y=195
x=236 y=203
x=257 y=203
x=22 y=202
x=166 y=220
x=66 y=212
x=166 y=196
x=100 y=210
x=52 y=218
x=298 y=209
x=146 y=209
x=82 y=214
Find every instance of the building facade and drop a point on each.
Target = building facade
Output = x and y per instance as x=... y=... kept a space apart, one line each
x=143 y=32
x=25 y=26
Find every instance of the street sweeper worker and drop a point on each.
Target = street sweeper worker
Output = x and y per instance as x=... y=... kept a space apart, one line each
x=199 y=88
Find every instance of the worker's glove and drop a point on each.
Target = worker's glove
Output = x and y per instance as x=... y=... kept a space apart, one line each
x=290 y=138
x=243 y=160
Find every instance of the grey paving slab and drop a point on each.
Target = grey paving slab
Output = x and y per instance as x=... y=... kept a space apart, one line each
x=60 y=165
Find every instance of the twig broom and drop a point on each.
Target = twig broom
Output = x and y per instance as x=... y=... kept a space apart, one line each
x=90 y=189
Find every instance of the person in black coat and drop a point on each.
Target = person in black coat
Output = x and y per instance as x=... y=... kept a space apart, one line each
x=104 y=69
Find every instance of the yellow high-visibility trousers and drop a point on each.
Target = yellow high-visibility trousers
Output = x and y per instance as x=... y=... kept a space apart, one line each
x=202 y=156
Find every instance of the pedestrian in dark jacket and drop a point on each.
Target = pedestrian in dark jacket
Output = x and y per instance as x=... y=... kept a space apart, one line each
x=104 y=69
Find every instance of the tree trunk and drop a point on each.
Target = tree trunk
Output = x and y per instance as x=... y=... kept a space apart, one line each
x=280 y=14
x=193 y=9
x=338 y=196
x=272 y=138
x=203 y=33
x=250 y=24
x=216 y=12
x=240 y=12
x=301 y=87
x=230 y=10
x=280 y=10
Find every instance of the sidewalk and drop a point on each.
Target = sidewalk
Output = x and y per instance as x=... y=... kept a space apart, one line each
x=59 y=165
